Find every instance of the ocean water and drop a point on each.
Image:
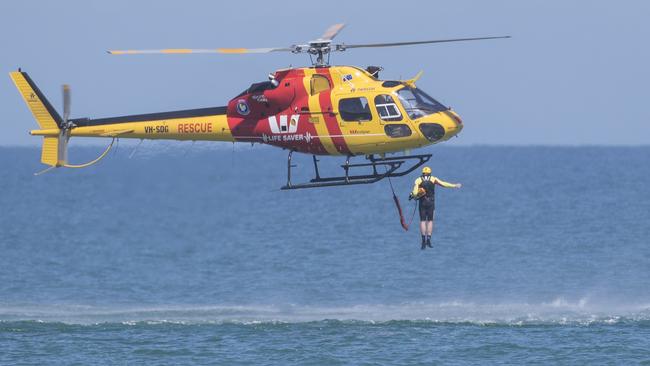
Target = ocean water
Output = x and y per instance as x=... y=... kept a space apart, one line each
x=189 y=254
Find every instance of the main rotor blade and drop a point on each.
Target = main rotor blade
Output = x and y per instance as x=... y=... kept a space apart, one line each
x=345 y=46
x=204 y=50
x=331 y=32
x=66 y=103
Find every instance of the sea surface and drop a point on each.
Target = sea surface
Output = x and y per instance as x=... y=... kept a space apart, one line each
x=184 y=253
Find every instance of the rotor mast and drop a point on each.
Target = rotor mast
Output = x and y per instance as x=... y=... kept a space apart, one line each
x=318 y=49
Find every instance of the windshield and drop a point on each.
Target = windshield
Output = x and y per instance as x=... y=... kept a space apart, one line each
x=417 y=103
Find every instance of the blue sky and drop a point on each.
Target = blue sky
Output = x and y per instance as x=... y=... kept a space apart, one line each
x=574 y=73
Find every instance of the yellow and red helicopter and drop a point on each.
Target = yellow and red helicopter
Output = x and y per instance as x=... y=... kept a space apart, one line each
x=317 y=110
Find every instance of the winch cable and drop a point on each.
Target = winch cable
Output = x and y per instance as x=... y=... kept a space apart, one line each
x=402 y=221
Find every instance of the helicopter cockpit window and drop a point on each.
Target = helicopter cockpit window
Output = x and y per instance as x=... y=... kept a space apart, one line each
x=319 y=83
x=417 y=103
x=355 y=109
x=386 y=108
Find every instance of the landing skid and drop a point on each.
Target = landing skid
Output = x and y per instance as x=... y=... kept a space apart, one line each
x=391 y=168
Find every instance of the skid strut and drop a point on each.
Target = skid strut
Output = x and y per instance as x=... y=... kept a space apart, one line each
x=393 y=167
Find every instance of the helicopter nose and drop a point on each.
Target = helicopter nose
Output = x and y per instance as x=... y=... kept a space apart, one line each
x=457 y=121
x=456 y=118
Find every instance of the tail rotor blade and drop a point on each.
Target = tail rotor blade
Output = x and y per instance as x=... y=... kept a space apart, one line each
x=66 y=103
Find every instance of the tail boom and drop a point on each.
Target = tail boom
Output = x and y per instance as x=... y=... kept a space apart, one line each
x=209 y=124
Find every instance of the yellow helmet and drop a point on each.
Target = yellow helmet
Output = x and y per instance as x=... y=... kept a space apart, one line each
x=426 y=170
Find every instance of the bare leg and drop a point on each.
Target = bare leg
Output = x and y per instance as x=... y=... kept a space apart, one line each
x=423 y=227
x=430 y=225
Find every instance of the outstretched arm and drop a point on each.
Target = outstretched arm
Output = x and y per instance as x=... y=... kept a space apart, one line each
x=442 y=183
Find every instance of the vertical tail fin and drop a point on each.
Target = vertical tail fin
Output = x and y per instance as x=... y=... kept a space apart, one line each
x=46 y=116
x=54 y=147
x=51 y=152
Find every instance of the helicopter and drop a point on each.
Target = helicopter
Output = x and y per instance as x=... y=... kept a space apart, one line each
x=322 y=110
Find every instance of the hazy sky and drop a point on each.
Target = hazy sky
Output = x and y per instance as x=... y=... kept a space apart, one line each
x=575 y=72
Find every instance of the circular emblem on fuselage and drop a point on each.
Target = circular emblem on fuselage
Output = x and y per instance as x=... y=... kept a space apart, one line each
x=242 y=107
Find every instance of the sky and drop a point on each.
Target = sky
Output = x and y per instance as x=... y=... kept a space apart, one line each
x=574 y=73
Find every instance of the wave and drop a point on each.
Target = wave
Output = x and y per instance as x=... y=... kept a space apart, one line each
x=556 y=312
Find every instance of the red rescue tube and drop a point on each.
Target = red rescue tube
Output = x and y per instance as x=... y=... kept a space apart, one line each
x=401 y=215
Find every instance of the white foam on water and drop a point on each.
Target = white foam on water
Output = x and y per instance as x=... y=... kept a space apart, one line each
x=556 y=311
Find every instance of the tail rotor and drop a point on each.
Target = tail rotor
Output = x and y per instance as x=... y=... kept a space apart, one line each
x=66 y=125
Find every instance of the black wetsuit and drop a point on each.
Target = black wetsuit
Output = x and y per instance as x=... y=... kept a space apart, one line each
x=428 y=201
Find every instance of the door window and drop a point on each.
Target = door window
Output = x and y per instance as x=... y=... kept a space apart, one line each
x=386 y=108
x=319 y=83
x=355 y=109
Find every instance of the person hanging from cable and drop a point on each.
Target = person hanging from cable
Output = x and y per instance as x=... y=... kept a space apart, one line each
x=424 y=192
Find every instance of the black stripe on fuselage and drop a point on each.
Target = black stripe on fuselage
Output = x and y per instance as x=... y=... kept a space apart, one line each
x=188 y=113
x=44 y=100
